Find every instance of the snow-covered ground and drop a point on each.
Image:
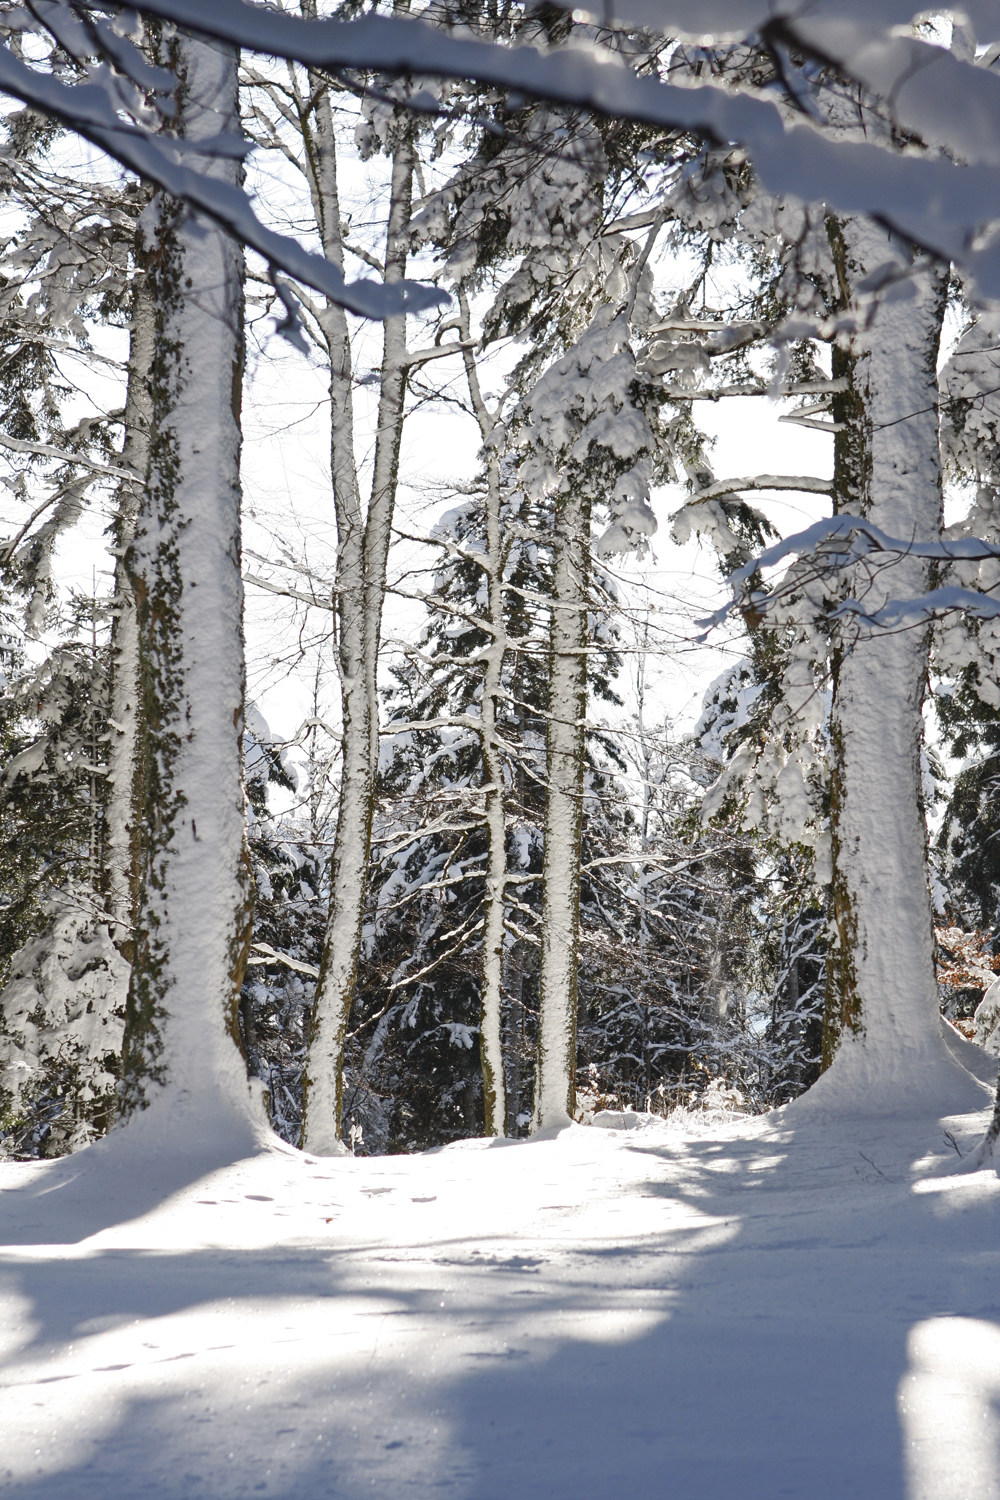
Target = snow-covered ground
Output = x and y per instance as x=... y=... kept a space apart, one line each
x=797 y=1305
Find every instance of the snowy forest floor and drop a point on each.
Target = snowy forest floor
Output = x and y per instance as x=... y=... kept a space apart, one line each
x=793 y=1305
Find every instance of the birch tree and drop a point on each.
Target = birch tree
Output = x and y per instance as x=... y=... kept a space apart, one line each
x=305 y=102
x=361 y=580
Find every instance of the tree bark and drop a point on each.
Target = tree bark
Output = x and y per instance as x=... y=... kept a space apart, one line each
x=513 y=1032
x=193 y=911
x=494 y=902
x=491 y=1050
x=363 y=550
x=124 y=816
x=555 y=1068
x=882 y=1041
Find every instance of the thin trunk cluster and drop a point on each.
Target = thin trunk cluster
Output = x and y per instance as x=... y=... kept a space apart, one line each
x=363 y=537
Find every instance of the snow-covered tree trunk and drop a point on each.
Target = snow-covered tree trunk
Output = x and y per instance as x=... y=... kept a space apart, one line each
x=494 y=904
x=124 y=814
x=495 y=895
x=646 y=770
x=363 y=550
x=555 y=1069
x=322 y=1088
x=882 y=1028
x=513 y=973
x=192 y=930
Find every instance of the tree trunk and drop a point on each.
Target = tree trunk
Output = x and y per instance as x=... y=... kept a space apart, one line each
x=491 y=1050
x=124 y=816
x=882 y=1040
x=193 y=918
x=362 y=560
x=555 y=1069
x=514 y=958
x=494 y=904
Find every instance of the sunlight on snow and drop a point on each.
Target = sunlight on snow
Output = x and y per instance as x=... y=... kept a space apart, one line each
x=427 y=1293
x=951 y=1427
x=253 y=1365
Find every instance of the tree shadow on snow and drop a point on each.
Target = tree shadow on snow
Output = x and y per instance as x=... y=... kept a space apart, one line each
x=122 y=1177
x=778 y=1288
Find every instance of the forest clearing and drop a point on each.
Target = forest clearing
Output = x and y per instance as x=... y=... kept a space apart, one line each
x=690 y=1306
x=499 y=748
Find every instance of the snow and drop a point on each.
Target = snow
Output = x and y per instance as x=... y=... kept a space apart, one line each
x=797 y=1304
x=64 y=1009
x=735 y=18
x=92 y=111
x=932 y=201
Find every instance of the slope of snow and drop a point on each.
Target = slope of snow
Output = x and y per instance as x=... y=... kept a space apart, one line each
x=795 y=1305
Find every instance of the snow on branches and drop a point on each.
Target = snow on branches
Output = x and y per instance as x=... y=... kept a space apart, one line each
x=61 y=1030
x=945 y=205
x=581 y=410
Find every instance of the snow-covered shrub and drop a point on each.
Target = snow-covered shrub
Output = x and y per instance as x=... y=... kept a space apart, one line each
x=289 y=917
x=61 y=1023
x=966 y=971
x=986 y=1021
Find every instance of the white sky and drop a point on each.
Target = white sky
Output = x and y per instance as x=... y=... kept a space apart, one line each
x=287 y=486
x=286 y=480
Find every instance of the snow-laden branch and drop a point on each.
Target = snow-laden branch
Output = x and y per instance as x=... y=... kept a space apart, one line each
x=939 y=97
x=416 y=357
x=903 y=612
x=466 y=930
x=802 y=483
x=89 y=110
x=861 y=539
x=286 y=592
x=66 y=456
x=931 y=201
x=856 y=21
x=59 y=346
x=864 y=539
x=263 y=953
x=662 y=864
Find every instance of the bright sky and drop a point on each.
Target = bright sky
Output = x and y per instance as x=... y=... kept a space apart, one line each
x=289 y=509
x=286 y=479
